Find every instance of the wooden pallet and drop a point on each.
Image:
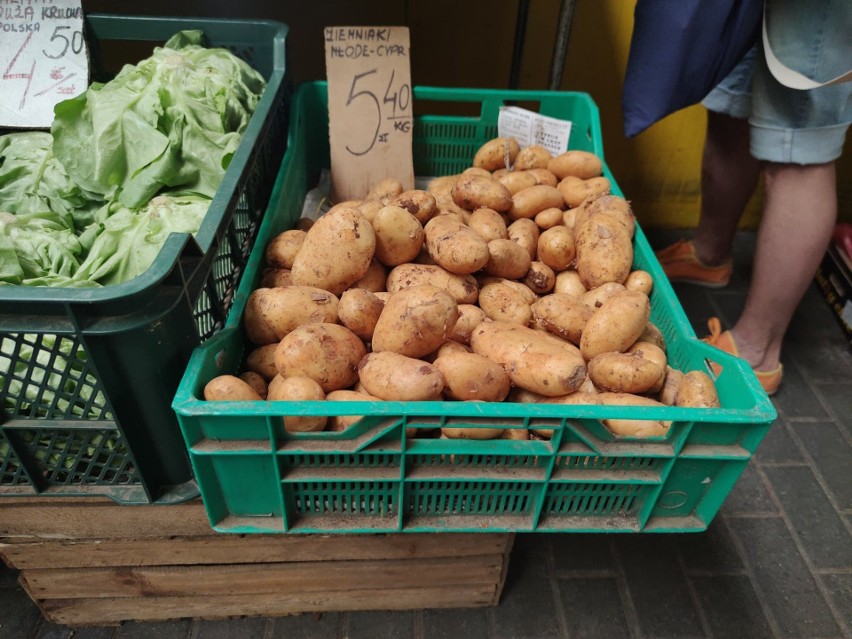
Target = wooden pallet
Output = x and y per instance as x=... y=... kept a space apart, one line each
x=91 y=562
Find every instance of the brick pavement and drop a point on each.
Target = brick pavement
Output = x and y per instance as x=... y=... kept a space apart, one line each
x=776 y=562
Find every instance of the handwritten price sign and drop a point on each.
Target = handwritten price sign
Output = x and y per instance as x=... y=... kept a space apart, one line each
x=43 y=59
x=369 y=107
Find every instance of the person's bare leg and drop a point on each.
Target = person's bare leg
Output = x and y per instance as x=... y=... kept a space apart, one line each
x=799 y=215
x=728 y=177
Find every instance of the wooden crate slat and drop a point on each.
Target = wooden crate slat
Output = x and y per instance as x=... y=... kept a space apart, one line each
x=80 y=612
x=232 y=549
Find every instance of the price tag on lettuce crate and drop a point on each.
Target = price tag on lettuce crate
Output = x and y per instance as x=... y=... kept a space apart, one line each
x=529 y=127
x=369 y=108
x=43 y=59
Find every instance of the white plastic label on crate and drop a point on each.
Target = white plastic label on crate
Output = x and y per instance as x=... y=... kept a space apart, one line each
x=369 y=108
x=529 y=127
x=43 y=59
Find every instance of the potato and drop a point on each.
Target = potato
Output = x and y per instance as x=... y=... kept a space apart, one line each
x=276 y=278
x=604 y=251
x=521 y=289
x=639 y=281
x=595 y=298
x=633 y=427
x=507 y=259
x=521 y=396
x=471 y=432
x=454 y=246
x=534 y=360
x=563 y=315
x=625 y=373
x=501 y=303
x=569 y=218
x=575 y=190
x=588 y=386
x=556 y=248
x=339 y=423
x=394 y=377
x=548 y=218
x=581 y=164
x=256 y=381
x=488 y=224
x=271 y=313
x=399 y=236
x=697 y=390
x=463 y=288
x=359 y=311
x=304 y=223
x=442 y=185
x=671 y=384
x=652 y=335
x=327 y=353
x=374 y=279
x=517 y=180
x=473 y=192
x=515 y=434
x=384 y=296
x=525 y=232
x=492 y=155
x=262 y=361
x=540 y=279
x=385 y=191
x=614 y=206
x=282 y=249
x=543 y=176
x=336 y=252
x=470 y=317
x=616 y=324
x=471 y=376
x=579 y=398
x=415 y=321
x=448 y=346
x=421 y=204
x=229 y=388
x=368 y=209
x=475 y=170
x=568 y=282
x=529 y=202
x=532 y=157
x=651 y=352
x=292 y=389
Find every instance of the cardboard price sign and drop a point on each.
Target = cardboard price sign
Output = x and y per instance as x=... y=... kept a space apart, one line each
x=43 y=59
x=369 y=108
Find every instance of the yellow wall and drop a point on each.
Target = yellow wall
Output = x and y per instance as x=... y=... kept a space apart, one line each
x=469 y=43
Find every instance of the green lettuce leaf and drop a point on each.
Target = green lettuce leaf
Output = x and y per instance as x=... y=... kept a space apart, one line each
x=173 y=121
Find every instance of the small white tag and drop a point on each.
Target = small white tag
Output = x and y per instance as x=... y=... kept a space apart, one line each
x=529 y=127
x=43 y=59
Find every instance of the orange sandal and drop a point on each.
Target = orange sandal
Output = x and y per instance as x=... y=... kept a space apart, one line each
x=681 y=264
x=724 y=341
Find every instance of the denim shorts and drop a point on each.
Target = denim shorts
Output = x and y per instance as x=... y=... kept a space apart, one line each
x=791 y=125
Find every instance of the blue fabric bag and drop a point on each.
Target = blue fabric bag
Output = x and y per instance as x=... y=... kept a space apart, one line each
x=679 y=51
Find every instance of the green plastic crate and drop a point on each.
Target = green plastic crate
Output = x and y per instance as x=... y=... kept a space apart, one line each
x=254 y=477
x=113 y=357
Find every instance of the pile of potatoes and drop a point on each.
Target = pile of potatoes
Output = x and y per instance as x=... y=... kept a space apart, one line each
x=500 y=283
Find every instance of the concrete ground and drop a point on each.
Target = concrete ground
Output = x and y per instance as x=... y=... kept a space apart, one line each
x=777 y=561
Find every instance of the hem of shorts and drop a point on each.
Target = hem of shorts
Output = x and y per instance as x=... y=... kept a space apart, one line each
x=736 y=105
x=797 y=146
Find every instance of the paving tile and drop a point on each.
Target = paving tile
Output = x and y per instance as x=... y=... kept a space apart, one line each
x=593 y=608
x=8 y=577
x=697 y=306
x=155 y=630
x=581 y=552
x=820 y=359
x=19 y=616
x=49 y=630
x=730 y=304
x=657 y=586
x=307 y=626
x=376 y=624
x=819 y=527
x=455 y=623
x=832 y=455
x=778 y=446
x=100 y=632
x=526 y=609
x=839 y=587
x=732 y=607
x=748 y=495
x=839 y=399
x=712 y=551
x=529 y=553
x=248 y=628
x=788 y=588
x=794 y=397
